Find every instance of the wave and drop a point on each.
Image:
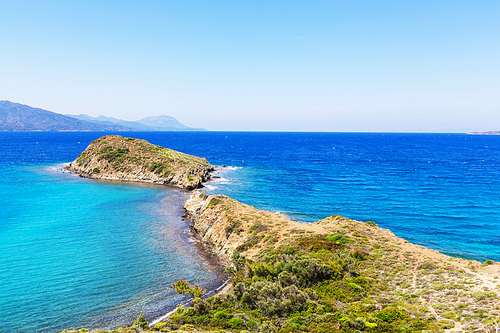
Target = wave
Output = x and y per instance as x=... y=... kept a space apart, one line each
x=233 y=168
x=57 y=168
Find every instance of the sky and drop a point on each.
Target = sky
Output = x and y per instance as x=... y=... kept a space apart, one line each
x=334 y=66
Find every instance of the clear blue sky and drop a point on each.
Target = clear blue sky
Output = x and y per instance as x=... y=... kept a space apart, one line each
x=259 y=65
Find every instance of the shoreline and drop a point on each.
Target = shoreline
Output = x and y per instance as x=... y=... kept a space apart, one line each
x=226 y=205
x=226 y=226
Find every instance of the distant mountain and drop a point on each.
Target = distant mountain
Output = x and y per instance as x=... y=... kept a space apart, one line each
x=164 y=122
x=485 y=133
x=157 y=123
x=19 y=117
x=112 y=121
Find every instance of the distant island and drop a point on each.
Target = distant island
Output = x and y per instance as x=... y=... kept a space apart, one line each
x=20 y=117
x=485 y=133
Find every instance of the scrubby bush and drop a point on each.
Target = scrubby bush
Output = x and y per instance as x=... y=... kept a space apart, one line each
x=235 y=323
x=141 y=322
x=313 y=284
x=182 y=287
x=267 y=327
x=110 y=155
x=391 y=314
x=337 y=238
x=304 y=271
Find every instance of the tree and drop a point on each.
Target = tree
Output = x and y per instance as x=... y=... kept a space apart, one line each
x=183 y=287
x=141 y=322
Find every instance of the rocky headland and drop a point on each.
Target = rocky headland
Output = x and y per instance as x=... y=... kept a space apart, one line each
x=333 y=275
x=455 y=295
x=115 y=157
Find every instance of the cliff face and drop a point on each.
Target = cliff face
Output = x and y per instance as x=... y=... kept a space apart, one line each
x=230 y=225
x=212 y=223
x=114 y=157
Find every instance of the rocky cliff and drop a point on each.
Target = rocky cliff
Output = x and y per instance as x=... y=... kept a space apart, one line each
x=229 y=225
x=114 y=157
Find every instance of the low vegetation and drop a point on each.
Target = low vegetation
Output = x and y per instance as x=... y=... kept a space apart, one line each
x=334 y=275
x=332 y=283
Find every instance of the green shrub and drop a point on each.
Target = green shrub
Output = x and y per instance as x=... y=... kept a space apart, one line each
x=267 y=327
x=391 y=314
x=427 y=266
x=359 y=254
x=235 y=323
x=141 y=322
x=306 y=271
x=187 y=327
x=222 y=315
x=337 y=238
x=182 y=287
x=315 y=243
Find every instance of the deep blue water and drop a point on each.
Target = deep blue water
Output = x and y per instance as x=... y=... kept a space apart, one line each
x=78 y=252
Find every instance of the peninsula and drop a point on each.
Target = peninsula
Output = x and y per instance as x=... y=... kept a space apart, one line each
x=333 y=275
x=115 y=157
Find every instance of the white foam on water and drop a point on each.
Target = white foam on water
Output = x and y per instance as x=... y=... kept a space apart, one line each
x=58 y=168
x=233 y=168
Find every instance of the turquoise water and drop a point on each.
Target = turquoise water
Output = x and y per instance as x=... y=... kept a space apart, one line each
x=76 y=252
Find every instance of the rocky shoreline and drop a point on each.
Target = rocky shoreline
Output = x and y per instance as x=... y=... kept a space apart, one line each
x=357 y=276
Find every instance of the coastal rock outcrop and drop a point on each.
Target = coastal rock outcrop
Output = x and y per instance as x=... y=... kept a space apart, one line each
x=229 y=225
x=115 y=157
x=212 y=223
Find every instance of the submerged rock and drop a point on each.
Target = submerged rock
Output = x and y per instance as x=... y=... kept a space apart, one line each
x=115 y=157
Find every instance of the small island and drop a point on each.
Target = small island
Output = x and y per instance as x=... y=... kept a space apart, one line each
x=115 y=157
x=333 y=275
x=485 y=133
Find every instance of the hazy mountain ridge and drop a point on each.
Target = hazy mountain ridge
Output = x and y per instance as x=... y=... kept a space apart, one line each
x=155 y=123
x=20 y=117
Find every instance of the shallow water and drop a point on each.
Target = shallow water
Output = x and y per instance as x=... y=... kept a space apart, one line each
x=77 y=252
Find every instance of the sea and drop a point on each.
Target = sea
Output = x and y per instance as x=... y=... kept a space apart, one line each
x=76 y=252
